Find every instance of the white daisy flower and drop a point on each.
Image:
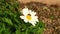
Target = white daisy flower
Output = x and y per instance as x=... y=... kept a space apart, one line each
x=29 y=16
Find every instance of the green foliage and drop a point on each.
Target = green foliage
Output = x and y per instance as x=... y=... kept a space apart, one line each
x=10 y=22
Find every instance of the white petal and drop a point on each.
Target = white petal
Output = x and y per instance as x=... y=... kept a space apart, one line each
x=25 y=21
x=33 y=13
x=25 y=11
x=36 y=18
x=33 y=23
x=22 y=17
x=30 y=11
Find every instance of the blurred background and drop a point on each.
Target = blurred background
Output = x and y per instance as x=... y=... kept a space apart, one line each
x=48 y=12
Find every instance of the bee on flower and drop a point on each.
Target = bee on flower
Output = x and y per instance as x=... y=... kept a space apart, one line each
x=29 y=16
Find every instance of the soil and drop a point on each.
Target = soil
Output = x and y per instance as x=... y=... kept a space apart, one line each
x=50 y=15
x=48 y=2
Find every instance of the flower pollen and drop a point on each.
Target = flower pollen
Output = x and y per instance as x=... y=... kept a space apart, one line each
x=28 y=17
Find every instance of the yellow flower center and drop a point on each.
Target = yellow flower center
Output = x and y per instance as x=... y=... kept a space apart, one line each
x=28 y=17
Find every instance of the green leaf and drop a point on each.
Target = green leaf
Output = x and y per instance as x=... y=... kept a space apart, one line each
x=17 y=32
x=1 y=0
x=8 y=21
